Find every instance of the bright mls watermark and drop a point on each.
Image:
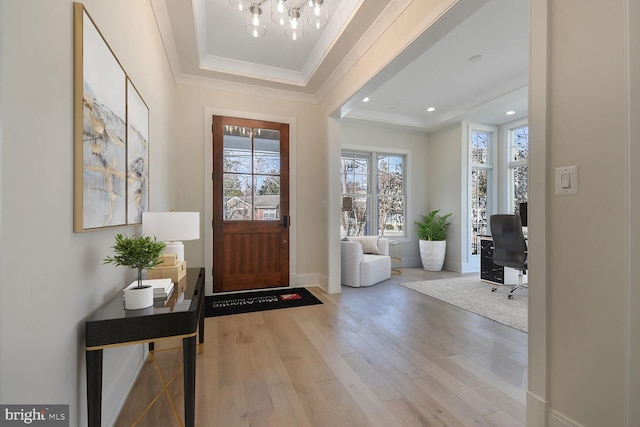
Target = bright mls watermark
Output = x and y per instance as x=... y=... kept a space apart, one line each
x=36 y=415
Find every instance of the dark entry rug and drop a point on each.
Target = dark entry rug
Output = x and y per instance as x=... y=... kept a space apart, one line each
x=246 y=302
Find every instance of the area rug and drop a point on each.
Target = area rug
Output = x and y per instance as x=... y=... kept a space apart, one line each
x=246 y=302
x=474 y=295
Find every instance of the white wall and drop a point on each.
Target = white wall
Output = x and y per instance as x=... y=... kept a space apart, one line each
x=196 y=105
x=447 y=188
x=369 y=136
x=588 y=278
x=634 y=217
x=52 y=278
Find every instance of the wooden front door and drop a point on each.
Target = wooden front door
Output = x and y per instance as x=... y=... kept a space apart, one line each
x=250 y=204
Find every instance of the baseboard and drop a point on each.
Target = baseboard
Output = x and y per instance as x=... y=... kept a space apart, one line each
x=307 y=280
x=462 y=267
x=536 y=411
x=295 y=280
x=208 y=285
x=537 y=415
x=556 y=419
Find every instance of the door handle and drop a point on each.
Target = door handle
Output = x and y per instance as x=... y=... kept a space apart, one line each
x=285 y=221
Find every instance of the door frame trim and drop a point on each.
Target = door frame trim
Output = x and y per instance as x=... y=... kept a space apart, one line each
x=209 y=112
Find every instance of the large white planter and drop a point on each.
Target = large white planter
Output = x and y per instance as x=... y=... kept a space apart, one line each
x=432 y=254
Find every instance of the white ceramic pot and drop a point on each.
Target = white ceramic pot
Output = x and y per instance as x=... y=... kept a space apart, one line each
x=432 y=254
x=136 y=298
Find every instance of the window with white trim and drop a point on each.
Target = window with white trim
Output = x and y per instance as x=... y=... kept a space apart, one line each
x=373 y=191
x=480 y=146
x=518 y=166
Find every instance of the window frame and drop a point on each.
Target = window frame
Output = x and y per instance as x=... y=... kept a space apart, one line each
x=511 y=165
x=491 y=169
x=373 y=195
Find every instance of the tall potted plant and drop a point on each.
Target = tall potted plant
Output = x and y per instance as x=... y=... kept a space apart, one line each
x=141 y=253
x=432 y=232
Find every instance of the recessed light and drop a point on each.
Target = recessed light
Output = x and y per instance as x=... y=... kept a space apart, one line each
x=510 y=113
x=431 y=109
x=366 y=99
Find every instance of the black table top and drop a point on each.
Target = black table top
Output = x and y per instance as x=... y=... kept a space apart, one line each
x=112 y=325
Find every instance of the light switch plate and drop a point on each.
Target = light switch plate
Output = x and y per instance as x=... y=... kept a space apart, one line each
x=572 y=188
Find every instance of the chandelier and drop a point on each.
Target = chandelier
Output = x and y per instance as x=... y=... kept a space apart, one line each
x=286 y=13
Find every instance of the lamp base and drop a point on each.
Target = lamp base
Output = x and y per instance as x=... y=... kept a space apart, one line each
x=175 y=248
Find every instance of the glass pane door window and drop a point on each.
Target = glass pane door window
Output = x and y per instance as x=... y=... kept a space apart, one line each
x=251 y=174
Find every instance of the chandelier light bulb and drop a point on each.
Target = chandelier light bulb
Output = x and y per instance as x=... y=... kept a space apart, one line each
x=294 y=31
x=240 y=5
x=256 y=26
x=287 y=13
x=279 y=12
x=318 y=13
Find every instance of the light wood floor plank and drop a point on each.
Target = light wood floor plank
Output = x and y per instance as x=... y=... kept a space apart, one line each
x=363 y=396
x=379 y=356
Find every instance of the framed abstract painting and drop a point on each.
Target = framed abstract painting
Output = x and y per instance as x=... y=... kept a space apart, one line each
x=110 y=132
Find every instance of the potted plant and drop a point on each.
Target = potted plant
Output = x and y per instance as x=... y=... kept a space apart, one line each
x=141 y=253
x=432 y=232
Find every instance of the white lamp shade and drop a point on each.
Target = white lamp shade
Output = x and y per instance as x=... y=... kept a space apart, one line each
x=171 y=226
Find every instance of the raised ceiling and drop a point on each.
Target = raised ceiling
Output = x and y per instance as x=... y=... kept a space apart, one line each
x=471 y=65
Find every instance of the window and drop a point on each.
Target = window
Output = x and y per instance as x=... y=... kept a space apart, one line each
x=518 y=158
x=373 y=194
x=481 y=168
x=390 y=195
x=251 y=174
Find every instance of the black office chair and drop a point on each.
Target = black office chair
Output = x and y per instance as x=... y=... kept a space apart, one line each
x=509 y=246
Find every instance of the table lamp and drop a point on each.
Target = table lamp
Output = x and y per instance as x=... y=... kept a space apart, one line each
x=172 y=228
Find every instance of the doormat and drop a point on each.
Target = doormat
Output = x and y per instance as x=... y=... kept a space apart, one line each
x=246 y=302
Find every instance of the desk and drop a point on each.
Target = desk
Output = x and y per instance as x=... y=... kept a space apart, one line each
x=495 y=274
x=111 y=325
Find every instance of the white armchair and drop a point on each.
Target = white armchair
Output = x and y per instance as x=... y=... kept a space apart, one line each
x=365 y=260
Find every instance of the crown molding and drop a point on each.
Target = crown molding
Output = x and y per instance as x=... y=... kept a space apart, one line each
x=245 y=88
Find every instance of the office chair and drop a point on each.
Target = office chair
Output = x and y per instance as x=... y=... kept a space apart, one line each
x=509 y=246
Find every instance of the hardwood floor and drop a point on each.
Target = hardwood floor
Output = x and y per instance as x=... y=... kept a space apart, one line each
x=380 y=356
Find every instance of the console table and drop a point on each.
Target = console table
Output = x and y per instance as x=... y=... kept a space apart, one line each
x=111 y=325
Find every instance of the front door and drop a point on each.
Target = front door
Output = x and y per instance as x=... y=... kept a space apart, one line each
x=250 y=204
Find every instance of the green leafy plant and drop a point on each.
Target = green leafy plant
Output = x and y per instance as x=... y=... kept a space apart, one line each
x=433 y=226
x=140 y=252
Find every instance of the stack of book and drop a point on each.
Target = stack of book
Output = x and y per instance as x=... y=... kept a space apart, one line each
x=161 y=288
